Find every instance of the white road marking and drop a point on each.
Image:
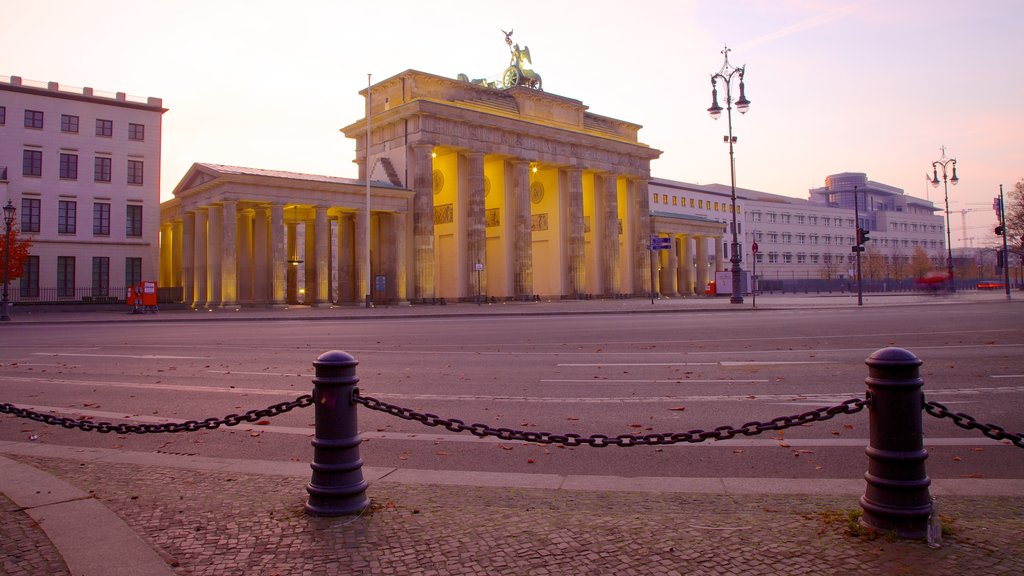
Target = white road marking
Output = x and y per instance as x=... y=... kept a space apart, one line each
x=1006 y=376
x=148 y=386
x=135 y=356
x=724 y=363
x=236 y=372
x=669 y=381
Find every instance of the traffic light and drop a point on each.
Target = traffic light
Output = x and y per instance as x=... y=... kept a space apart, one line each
x=862 y=236
x=999 y=230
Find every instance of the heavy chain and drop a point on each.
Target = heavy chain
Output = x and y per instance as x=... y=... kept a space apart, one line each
x=969 y=423
x=624 y=440
x=187 y=426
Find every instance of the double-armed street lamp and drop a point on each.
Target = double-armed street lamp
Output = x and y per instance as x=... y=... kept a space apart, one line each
x=726 y=75
x=943 y=162
x=9 y=211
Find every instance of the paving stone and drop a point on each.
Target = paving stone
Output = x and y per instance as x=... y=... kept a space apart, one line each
x=226 y=523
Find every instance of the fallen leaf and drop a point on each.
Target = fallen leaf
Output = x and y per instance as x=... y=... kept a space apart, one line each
x=678 y=408
x=254 y=434
x=783 y=444
x=529 y=460
x=263 y=422
x=504 y=447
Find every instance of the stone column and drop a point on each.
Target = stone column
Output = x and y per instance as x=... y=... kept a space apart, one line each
x=278 y=256
x=718 y=257
x=188 y=256
x=401 y=261
x=642 y=271
x=610 y=240
x=322 y=230
x=177 y=232
x=702 y=264
x=214 y=244
x=261 y=256
x=246 y=269
x=423 y=219
x=671 y=287
x=523 y=256
x=363 y=278
x=476 y=233
x=686 y=266
x=577 y=245
x=166 y=272
x=200 y=294
x=229 y=254
x=345 y=258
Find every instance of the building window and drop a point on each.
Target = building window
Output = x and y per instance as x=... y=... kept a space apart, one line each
x=773 y=257
x=759 y=258
x=801 y=239
x=67 y=216
x=29 y=281
x=33 y=119
x=771 y=217
x=135 y=172
x=801 y=258
x=136 y=131
x=69 y=123
x=101 y=219
x=655 y=198
x=812 y=220
x=65 y=276
x=785 y=218
x=755 y=216
x=68 y=166
x=102 y=169
x=3 y=115
x=814 y=258
x=132 y=271
x=32 y=163
x=773 y=237
x=787 y=258
x=814 y=238
x=133 y=224
x=100 y=276
x=104 y=127
x=30 y=214
x=787 y=238
x=799 y=219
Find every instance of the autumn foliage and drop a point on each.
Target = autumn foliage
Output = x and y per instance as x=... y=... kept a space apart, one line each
x=19 y=252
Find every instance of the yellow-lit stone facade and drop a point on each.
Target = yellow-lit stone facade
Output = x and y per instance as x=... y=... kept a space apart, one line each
x=518 y=193
x=505 y=193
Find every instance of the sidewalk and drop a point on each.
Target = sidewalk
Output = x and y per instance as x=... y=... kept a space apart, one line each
x=57 y=314
x=112 y=512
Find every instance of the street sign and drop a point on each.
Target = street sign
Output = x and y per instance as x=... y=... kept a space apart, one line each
x=753 y=247
x=659 y=243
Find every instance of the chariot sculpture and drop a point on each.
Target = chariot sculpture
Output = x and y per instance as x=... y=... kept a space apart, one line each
x=519 y=72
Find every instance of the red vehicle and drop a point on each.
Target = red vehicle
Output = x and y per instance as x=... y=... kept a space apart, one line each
x=990 y=285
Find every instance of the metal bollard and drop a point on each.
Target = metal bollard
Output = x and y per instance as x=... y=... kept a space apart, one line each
x=337 y=487
x=896 y=498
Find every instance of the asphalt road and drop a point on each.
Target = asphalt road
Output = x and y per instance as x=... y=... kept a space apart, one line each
x=587 y=374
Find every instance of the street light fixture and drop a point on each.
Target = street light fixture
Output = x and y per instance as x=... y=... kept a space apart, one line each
x=9 y=211
x=725 y=74
x=943 y=162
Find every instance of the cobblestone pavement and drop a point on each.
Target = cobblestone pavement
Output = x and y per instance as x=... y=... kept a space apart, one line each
x=227 y=523
x=24 y=548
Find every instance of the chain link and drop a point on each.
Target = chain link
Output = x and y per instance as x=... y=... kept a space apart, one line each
x=850 y=406
x=166 y=427
x=969 y=423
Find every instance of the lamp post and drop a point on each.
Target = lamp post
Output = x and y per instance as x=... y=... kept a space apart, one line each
x=9 y=211
x=725 y=74
x=943 y=162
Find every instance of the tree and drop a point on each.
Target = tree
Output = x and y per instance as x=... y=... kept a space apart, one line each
x=920 y=263
x=873 y=264
x=1014 y=202
x=19 y=252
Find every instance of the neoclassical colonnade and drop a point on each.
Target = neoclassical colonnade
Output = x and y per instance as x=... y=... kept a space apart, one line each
x=517 y=193
x=235 y=236
x=687 y=266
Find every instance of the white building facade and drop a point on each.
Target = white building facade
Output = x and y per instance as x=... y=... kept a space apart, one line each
x=807 y=244
x=82 y=167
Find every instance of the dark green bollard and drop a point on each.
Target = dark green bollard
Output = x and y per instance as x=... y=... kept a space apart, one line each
x=337 y=487
x=896 y=498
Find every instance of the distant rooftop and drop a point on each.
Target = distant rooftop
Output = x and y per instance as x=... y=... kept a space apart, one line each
x=80 y=92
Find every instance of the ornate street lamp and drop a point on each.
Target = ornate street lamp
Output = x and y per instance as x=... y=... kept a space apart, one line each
x=725 y=75
x=9 y=211
x=943 y=162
